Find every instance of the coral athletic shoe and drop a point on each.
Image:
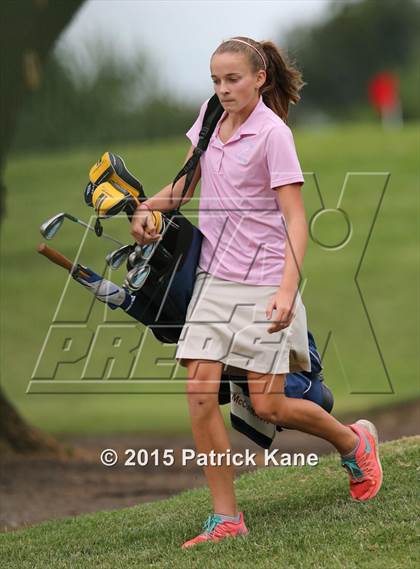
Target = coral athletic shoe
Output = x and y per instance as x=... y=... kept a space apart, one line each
x=364 y=468
x=216 y=529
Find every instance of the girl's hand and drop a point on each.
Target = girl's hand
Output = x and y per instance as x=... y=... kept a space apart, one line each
x=283 y=302
x=143 y=226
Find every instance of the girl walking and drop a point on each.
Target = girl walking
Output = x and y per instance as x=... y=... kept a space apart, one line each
x=246 y=312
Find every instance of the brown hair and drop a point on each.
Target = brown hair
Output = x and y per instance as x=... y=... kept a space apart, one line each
x=283 y=81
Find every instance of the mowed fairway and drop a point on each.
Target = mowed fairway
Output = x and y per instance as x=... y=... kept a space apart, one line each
x=297 y=518
x=371 y=340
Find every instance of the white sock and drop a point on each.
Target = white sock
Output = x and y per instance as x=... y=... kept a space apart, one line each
x=352 y=453
x=235 y=519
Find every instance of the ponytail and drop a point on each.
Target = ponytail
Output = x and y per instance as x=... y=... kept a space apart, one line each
x=283 y=81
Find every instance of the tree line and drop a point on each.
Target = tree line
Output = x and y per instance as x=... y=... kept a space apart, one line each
x=122 y=101
x=339 y=55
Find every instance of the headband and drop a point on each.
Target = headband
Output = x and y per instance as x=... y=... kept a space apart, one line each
x=254 y=48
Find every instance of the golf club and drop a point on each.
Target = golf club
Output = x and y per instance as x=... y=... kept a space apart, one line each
x=132 y=258
x=136 y=278
x=60 y=259
x=50 y=227
x=116 y=258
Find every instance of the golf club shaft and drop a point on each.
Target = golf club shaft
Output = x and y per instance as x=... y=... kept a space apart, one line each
x=84 y=224
x=56 y=257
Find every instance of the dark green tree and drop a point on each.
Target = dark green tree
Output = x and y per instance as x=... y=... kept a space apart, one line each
x=339 y=55
x=28 y=31
x=120 y=100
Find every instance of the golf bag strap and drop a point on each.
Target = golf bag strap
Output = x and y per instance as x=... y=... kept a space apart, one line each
x=212 y=115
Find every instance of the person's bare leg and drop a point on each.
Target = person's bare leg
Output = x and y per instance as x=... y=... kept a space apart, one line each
x=209 y=430
x=270 y=403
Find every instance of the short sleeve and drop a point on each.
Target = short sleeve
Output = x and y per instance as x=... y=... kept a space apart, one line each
x=194 y=131
x=283 y=163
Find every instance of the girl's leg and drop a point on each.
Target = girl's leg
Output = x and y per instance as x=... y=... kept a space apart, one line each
x=270 y=403
x=209 y=430
x=357 y=443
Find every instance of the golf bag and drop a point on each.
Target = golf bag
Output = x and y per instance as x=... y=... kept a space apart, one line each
x=162 y=302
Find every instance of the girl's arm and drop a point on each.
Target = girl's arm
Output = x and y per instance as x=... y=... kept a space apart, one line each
x=291 y=204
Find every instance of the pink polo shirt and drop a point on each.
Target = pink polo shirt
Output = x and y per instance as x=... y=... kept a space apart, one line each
x=240 y=217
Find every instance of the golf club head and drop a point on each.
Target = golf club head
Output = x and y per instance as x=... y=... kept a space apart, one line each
x=50 y=227
x=148 y=250
x=119 y=256
x=135 y=257
x=136 y=278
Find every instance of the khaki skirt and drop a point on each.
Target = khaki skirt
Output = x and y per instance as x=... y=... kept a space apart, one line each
x=226 y=322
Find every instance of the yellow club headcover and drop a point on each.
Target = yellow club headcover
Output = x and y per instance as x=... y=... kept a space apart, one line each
x=111 y=168
x=108 y=199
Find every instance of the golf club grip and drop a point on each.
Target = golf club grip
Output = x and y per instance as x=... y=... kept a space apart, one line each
x=55 y=256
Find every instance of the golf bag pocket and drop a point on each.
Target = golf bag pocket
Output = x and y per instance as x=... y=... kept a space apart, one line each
x=162 y=303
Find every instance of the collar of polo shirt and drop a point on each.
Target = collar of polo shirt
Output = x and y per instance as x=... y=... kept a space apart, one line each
x=250 y=126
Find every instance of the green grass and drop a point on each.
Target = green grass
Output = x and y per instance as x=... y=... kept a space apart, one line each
x=298 y=518
x=360 y=376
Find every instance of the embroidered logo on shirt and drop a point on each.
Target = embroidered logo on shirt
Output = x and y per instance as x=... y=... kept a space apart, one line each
x=244 y=151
